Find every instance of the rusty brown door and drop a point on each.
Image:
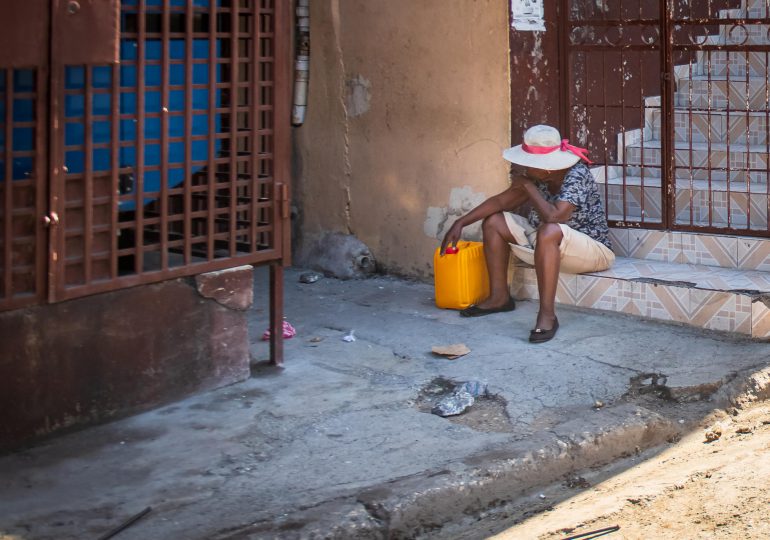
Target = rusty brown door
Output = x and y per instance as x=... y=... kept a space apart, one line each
x=23 y=151
x=672 y=97
x=143 y=140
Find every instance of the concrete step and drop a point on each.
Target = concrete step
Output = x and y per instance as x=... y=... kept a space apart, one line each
x=744 y=34
x=698 y=202
x=708 y=297
x=715 y=160
x=755 y=8
x=736 y=63
x=717 y=126
x=718 y=91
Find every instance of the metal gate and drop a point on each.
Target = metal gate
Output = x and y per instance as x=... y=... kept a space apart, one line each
x=672 y=98
x=140 y=140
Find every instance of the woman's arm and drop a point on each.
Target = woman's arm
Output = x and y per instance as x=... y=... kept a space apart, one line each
x=508 y=200
x=560 y=212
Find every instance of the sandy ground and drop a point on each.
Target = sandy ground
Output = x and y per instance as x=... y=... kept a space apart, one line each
x=693 y=489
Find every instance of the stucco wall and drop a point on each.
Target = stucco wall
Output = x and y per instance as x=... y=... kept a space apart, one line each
x=409 y=111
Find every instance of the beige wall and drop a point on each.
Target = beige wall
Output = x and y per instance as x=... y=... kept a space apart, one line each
x=409 y=111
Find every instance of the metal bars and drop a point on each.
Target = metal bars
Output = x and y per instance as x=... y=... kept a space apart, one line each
x=672 y=98
x=168 y=163
x=189 y=145
x=720 y=168
x=615 y=102
x=22 y=192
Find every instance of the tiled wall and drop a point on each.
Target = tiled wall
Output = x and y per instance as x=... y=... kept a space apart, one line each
x=710 y=309
x=691 y=248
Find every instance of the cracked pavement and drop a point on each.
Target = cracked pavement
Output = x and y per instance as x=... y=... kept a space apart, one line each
x=338 y=444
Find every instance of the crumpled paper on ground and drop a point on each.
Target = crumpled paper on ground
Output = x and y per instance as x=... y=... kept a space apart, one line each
x=451 y=351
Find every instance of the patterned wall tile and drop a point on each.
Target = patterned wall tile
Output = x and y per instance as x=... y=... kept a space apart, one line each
x=754 y=254
x=631 y=296
x=565 y=290
x=666 y=302
x=654 y=245
x=760 y=320
x=719 y=310
x=619 y=238
x=523 y=285
x=597 y=293
x=710 y=250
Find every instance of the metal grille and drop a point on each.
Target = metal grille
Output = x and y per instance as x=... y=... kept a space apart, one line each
x=672 y=98
x=721 y=116
x=613 y=51
x=22 y=198
x=168 y=159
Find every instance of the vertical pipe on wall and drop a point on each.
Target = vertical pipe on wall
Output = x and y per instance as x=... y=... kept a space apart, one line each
x=302 y=63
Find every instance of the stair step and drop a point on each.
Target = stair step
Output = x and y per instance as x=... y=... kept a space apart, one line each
x=734 y=34
x=696 y=205
x=717 y=92
x=737 y=63
x=701 y=296
x=760 y=188
x=717 y=126
x=740 y=159
x=721 y=250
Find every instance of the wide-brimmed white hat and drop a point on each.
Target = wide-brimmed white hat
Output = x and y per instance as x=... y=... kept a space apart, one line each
x=543 y=148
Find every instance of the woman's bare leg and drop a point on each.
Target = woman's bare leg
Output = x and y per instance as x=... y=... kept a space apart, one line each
x=547 y=261
x=497 y=253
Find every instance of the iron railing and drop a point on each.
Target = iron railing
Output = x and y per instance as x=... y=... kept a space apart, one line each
x=166 y=153
x=672 y=99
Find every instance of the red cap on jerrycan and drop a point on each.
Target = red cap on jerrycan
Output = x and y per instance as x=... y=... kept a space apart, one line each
x=451 y=250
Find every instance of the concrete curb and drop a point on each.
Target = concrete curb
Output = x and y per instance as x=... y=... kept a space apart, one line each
x=747 y=387
x=408 y=507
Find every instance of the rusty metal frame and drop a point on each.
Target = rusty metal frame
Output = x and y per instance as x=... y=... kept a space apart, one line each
x=673 y=20
x=588 y=46
x=23 y=153
x=681 y=22
x=217 y=226
x=172 y=162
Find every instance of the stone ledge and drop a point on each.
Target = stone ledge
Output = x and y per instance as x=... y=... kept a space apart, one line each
x=232 y=287
x=704 y=297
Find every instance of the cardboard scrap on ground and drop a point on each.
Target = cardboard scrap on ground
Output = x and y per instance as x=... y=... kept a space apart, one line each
x=451 y=351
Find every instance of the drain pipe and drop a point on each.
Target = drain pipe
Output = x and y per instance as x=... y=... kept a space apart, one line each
x=302 y=63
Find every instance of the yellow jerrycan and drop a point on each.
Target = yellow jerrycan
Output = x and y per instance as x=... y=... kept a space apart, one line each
x=460 y=275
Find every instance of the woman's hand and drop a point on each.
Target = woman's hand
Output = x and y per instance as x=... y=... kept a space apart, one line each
x=452 y=236
x=519 y=181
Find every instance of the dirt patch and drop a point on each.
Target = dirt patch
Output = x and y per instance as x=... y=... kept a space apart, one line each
x=488 y=414
x=694 y=489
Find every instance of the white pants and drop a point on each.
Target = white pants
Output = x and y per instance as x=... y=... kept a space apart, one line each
x=579 y=252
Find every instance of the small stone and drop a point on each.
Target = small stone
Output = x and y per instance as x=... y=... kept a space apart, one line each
x=744 y=429
x=713 y=434
x=598 y=404
x=309 y=277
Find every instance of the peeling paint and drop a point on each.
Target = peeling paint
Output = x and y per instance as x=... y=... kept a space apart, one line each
x=461 y=201
x=358 y=95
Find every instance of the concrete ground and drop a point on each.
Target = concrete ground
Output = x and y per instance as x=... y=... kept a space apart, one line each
x=341 y=443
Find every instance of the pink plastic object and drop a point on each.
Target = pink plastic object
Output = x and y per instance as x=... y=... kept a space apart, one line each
x=288 y=332
x=451 y=250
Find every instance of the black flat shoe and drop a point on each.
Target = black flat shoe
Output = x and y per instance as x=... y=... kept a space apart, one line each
x=538 y=335
x=476 y=311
